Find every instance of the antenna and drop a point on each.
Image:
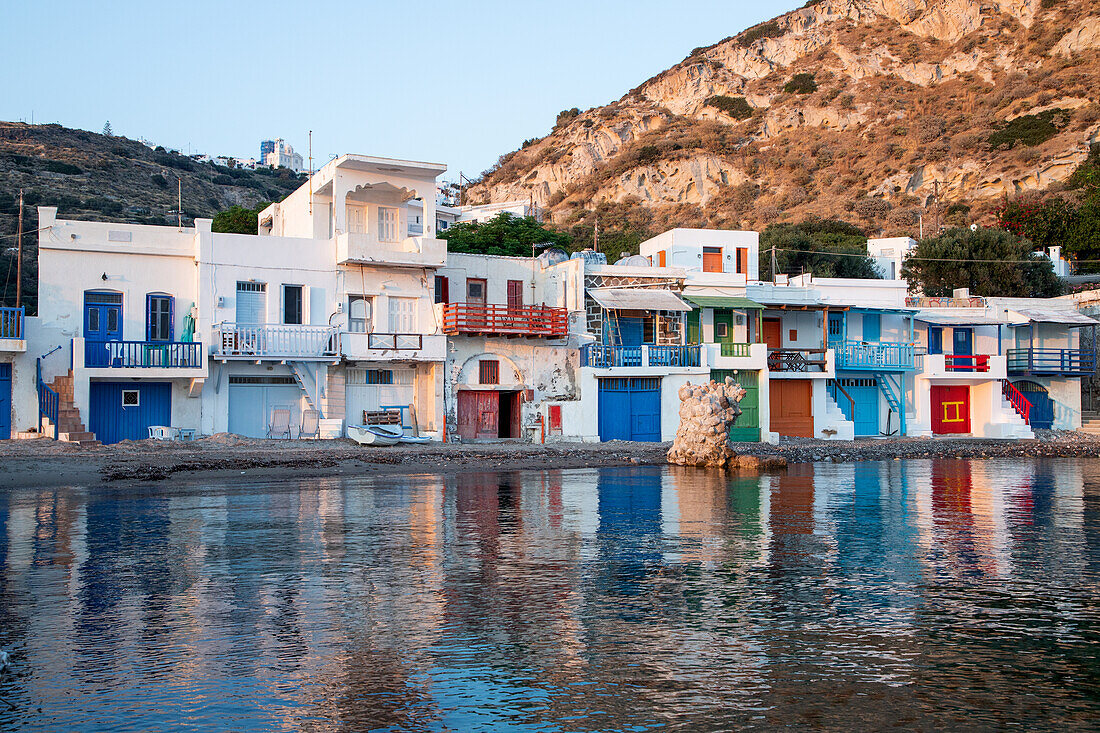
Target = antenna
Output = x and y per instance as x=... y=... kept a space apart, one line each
x=596 y=236
x=311 y=172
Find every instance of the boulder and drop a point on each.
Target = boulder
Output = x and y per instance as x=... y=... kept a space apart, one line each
x=706 y=414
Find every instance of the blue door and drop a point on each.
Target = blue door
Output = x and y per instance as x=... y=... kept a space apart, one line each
x=935 y=340
x=864 y=393
x=836 y=327
x=963 y=341
x=872 y=327
x=126 y=410
x=1042 y=406
x=630 y=409
x=102 y=323
x=5 y=401
x=625 y=332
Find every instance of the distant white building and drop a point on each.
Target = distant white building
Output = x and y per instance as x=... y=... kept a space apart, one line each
x=486 y=212
x=888 y=253
x=278 y=153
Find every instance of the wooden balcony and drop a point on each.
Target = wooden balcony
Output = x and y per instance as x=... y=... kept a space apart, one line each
x=1054 y=362
x=797 y=360
x=504 y=320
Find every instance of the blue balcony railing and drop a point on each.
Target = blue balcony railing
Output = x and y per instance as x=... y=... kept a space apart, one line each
x=873 y=355
x=11 y=323
x=143 y=354
x=595 y=355
x=1051 y=361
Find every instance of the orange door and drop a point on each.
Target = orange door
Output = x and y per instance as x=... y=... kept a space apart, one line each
x=950 y=409
x=792 y=407
x=773 y=333
x=478 y=414
x=712 y=259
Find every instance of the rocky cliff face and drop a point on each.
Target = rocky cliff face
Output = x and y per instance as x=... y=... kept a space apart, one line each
x=862 y=109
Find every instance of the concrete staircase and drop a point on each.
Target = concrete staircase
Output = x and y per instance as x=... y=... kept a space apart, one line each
x=840 y=427
x=1090 y=423
x=1008 y=423
x=69 y=427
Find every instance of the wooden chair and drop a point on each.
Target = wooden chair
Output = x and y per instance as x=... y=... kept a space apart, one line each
x=280 y=423
x=311 y=424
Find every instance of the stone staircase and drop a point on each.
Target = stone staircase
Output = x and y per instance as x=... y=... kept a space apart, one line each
x=69 y=427
x=1090 y=423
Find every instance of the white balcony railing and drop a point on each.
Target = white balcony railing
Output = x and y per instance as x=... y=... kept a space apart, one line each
x=276 y=341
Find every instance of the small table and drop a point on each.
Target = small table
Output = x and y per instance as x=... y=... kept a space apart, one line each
x=185 y=433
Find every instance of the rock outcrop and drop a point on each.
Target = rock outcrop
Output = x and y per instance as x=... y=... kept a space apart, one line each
x=706 y=414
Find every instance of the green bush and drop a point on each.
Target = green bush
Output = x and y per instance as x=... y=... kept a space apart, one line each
x=801 y=84
x=159 y=180
x=57 y=166
x=736 y=107
x=222 y=180
x=770 y=29
x=566 y=116
x=1029 y=129
x=174 y=161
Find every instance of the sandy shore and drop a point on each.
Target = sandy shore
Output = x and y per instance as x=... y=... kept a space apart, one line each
x=44 y=463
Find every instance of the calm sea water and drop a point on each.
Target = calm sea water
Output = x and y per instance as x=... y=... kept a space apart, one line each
x=920 y=594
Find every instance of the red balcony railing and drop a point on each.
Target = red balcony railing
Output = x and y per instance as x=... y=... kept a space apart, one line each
x=966 y=362
x=504 y=320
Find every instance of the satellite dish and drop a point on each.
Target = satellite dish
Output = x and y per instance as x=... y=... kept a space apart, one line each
x=973 y=227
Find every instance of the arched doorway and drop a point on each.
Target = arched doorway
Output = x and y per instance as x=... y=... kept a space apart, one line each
x=1042 y=406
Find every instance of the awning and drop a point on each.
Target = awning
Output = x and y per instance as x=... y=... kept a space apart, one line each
x=645 y=299
x=1055 y=315
x=956 y=319
x=723 y=301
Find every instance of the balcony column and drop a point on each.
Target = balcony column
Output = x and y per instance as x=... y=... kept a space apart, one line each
x=427 y=198
x=1031 y=347
x=645 y=355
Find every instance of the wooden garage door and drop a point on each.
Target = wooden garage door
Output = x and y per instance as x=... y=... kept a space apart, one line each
x=950 y=409
x=792 y=407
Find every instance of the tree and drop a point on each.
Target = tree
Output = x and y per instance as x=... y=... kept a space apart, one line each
x=990 y=262
x=506 y=234
x=825 y=247
x=238 y=220
x=107 y=129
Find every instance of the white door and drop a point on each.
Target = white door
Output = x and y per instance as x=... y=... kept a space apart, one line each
x=387 y=223
x=403 y=315
x=357 y=219
x=251 y=303
x=374 y=389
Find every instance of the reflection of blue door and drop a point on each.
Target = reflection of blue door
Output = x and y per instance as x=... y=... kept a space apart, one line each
x=1041 y=414
x=963 y=341
x=630 y=409
x=864 y=393
x=5 y=401
x=126 y=410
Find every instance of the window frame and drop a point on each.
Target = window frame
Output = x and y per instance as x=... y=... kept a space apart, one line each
x=301 y=314
x=151 y=327
x=368 y=321
x=137 y=398
x=488 y=371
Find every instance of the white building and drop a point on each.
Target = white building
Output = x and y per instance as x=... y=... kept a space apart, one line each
x=888 y=254
x=278 y=153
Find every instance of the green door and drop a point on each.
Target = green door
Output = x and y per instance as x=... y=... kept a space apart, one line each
x=691 y=319
x=747 y=427
x=723 y=326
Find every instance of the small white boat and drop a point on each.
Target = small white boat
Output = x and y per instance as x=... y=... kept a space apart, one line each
x=411 y=439
x=375 y=434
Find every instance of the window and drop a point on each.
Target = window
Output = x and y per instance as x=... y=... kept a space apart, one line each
x=131 y=398
x=442 y=289
x=251 y=303
x=649 y=329
x=440 y=224
x=379 y=376
x=742 y=261
x=515 y=294
x=475 y=291
x=357 y=219
x=359 y=313
x=158 y=317
x=712 y=259
x=387 y=223
x=93 y=319
x=935 y=340
x=402 y=315
x=721 y=330
x=488 y=371
x=793 y=335
x=292 y=304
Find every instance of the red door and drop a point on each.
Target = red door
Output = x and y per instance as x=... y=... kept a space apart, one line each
x=792 y=407
x=772 y=333
x=950 y=409
x=478 y=414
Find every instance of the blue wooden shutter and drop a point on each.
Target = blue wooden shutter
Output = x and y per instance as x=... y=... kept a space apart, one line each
x=171 y=318
x=150 y=317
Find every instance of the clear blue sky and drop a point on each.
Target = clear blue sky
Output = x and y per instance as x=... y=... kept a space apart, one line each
x=456 y=82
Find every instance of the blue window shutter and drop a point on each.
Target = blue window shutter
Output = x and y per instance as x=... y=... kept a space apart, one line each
x=150 y=317
x=171 y=318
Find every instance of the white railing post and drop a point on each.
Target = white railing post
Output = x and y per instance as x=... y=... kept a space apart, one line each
x=645 y=355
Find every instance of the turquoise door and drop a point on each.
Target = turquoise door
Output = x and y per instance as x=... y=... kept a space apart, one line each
x=872 y=327
x=5 y=401
x=864 y=393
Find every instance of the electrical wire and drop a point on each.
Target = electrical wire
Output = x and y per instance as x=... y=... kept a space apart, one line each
x=920 y=259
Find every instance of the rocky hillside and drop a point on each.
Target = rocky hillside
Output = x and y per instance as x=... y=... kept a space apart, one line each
x=857 y=109
x=107 y=178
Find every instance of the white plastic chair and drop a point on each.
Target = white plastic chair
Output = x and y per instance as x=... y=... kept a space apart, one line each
x=161 y=432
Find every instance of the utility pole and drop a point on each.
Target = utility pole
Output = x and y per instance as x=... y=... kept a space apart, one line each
x=596 y=236
x=311 y=172
x=775 y=267
x=179 y=203
x=19 y=255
